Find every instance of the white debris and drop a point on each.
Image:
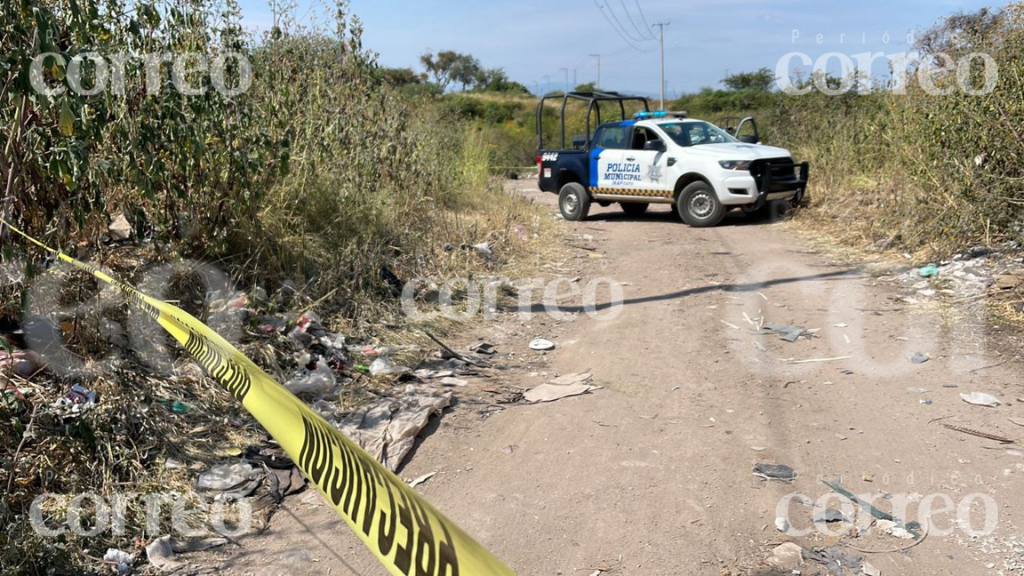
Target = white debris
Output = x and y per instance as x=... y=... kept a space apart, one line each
x=981 y=399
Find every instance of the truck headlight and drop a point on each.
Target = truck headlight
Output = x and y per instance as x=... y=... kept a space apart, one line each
x=735 y=164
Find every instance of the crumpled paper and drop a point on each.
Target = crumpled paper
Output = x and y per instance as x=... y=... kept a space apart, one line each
x=387 y=428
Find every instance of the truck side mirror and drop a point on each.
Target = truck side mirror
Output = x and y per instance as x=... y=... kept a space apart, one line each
x=655 y=146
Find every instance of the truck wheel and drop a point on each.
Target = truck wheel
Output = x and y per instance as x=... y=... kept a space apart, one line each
x=634 y=208
x=574 y=202
x=699 y=206
x=771 y=211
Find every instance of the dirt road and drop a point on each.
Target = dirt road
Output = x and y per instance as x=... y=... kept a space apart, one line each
x=652 y=474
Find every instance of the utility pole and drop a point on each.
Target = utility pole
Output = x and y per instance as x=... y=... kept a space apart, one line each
x=547 y=83
x=598 y=56
x=574 y=83
x=536 y=87
x=566 y=70
x=661 y=26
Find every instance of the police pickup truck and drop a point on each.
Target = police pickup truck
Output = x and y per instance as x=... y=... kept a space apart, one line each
x=661 y=158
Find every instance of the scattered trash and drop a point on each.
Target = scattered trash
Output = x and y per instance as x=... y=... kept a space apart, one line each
x=176 y=406
x=1008 y=281
x=835 y=559
x=428 y=374
x=981 y=399
x=820 y=360
x=782 y=525
x=570 y=379
x=484 y=249
x=318 y=380
x=361 y=368
x=980 y=252
x=224 y=477
x=926 y=402
x=929 y=271
x=778 y=472
x=284 y=482
x=787 y=332
x=80 y=398
x=123 y=561
x=160 y=554
x=553 y=392
x=828 y=516
x=320 y=343
x=11 y=397
x=271 y=324
x=449 y=381
x=392 y=280
x=387 y=428
x=868 y=570
x=875 y=512
x=421 y=479
x=919 y=358
x=453 y=354
x=484 y=348
x=760 y=347
x=985 y=435
x=788 y=556
x=540 y=344
x=385 y=367
x=271 y=454
x=895 y=530
x=119 y=228
x=198 y=545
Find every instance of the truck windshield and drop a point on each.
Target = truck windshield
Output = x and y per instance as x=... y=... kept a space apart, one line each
x=696 y=133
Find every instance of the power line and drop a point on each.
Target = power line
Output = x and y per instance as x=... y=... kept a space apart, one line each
x=621 y=32
x=633 y=23
x=643 y=17
x=620 y=24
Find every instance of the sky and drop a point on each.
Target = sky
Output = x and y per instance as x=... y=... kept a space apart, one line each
x=533 y=40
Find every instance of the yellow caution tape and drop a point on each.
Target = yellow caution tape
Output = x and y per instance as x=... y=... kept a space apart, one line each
x=409 y=536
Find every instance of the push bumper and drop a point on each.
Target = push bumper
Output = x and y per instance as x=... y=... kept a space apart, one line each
x=782 y=181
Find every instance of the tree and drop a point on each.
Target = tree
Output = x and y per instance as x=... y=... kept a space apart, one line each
x=441 y=66
x=586 y=87
x=449 y=66
x=497 y=80
x=760 y=81
x=401 y=76
x=466 y=70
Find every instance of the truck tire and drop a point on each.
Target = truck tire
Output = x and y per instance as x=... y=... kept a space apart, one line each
x=634 y=208
x=699 y=206
x=771 y=211
x=574 y=202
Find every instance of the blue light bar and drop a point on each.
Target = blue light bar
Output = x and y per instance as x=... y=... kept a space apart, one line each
x=646 y=115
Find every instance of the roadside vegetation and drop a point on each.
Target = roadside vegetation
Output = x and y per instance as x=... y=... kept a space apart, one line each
x=320 y=187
